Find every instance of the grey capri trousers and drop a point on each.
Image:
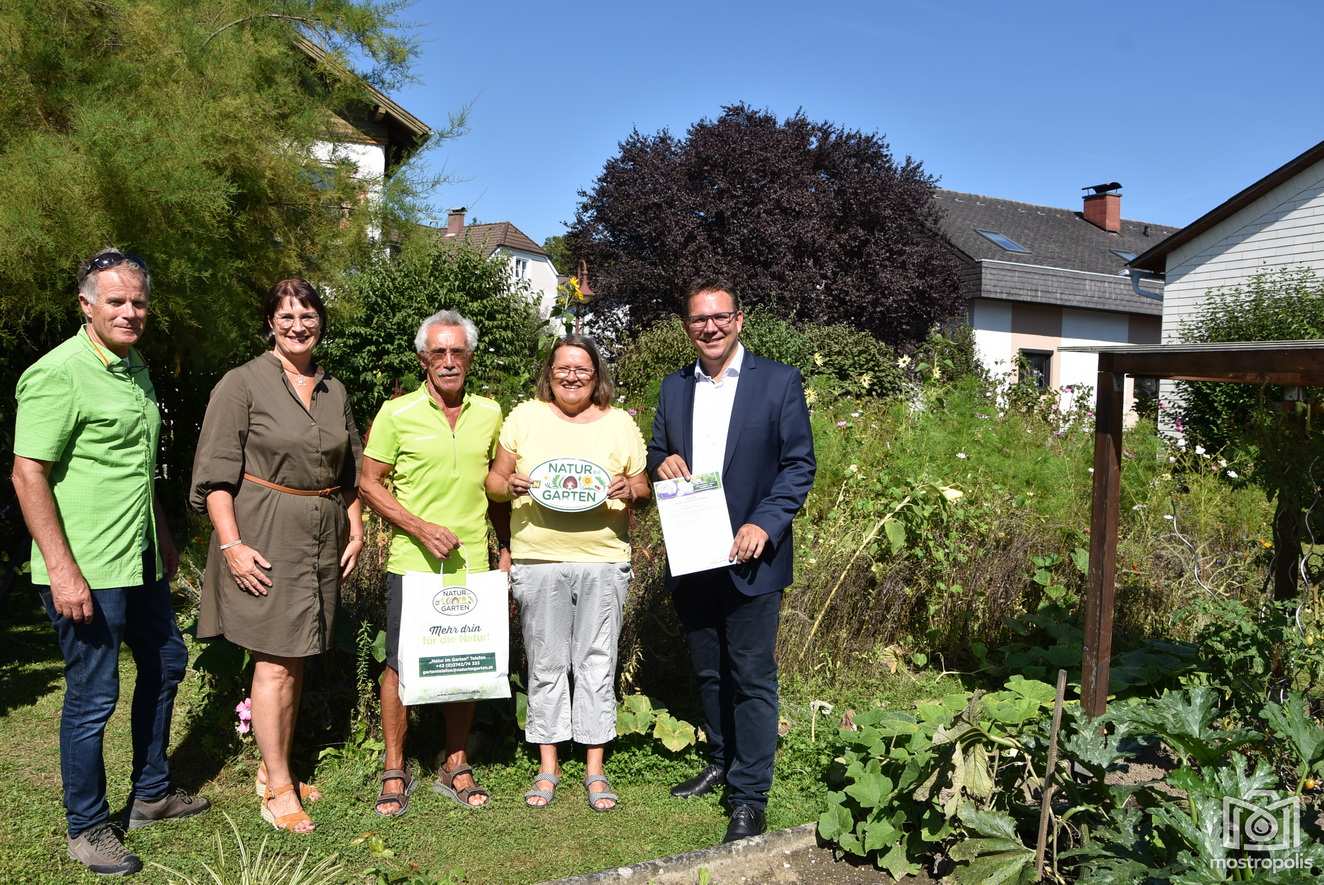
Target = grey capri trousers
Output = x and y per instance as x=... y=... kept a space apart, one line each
x=570 y=614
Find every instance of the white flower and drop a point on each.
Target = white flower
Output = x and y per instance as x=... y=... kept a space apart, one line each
x=1199 y=450
x=854 y=468
x=962 y=455
x=857 y=414
x=1091 y=470
x=903 y=362
x=1167 y=516
x=1138 y=507
x=1222 y=462
x=1172 y=460
x=1232 y=474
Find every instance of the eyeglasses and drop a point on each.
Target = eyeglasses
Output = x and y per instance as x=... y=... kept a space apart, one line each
x=108 y=260
x=720 y=320
x=578 y=372
x=285 y=321
x=455 y=353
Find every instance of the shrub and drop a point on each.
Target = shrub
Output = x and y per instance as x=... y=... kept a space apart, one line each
x=1281 y=306
x=834 y=359
x=370 y=342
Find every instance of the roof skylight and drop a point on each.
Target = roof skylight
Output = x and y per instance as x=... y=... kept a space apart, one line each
x=1123 y=254
x=1002 y=241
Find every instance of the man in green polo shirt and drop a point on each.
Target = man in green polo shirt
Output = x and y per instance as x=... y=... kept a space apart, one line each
x=437 y=443
x=85 y=443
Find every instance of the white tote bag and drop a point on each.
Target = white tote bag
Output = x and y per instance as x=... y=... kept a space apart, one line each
x=454 y=637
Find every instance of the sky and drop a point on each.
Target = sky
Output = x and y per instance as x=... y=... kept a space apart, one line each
x=1184 y=103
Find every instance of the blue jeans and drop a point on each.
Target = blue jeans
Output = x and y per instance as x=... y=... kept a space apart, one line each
x=142 y=617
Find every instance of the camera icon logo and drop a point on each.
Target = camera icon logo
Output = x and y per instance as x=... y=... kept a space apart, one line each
x=1262 y=822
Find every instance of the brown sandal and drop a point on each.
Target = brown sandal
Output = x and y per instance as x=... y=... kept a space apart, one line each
x=307 y=792
x=286 y=822
x=445 y=785
x=401 y=799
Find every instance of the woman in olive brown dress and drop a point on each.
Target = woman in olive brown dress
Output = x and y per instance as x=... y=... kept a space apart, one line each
x=276 y=470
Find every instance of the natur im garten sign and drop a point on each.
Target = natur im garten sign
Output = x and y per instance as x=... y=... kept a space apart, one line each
x=571 y=485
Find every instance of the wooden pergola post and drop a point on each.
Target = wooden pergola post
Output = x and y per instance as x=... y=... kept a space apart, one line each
x=1299 y=363
x=1104 y=512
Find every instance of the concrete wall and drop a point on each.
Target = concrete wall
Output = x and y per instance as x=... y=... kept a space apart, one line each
x=539 y=272
x=1004 y=328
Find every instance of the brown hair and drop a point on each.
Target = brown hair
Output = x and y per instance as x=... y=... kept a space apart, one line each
x=709 y=284
x=300 y=290
x=603 y=389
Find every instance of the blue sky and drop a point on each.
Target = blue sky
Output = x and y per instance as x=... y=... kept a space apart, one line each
x=1184 y=103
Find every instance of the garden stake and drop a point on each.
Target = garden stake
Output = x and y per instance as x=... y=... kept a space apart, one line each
x=1046 y=798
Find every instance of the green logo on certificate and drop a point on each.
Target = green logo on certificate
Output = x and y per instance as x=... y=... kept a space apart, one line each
x=570 y=485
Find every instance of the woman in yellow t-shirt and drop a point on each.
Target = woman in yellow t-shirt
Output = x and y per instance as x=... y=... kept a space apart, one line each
x=571 y=570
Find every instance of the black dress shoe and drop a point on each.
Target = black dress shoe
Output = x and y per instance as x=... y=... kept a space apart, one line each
x=701 y=784
x=746 y=821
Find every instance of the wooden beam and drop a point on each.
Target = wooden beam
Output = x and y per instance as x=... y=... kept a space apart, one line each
x=1304 y=368
x=1102 y=585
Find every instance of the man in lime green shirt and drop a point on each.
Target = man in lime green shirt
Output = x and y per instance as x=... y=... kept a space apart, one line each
x=437 y=444
x=85 y=443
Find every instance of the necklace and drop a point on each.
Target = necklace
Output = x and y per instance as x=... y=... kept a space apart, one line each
x=298 y=377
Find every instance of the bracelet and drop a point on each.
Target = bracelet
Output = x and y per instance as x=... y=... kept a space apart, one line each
x=235 y=543
x=356 y=537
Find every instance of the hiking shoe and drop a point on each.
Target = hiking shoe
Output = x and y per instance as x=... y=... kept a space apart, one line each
x=173 y=805
x=101 y=850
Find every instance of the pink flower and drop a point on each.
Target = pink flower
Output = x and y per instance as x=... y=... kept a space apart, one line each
x=632 y=412
x=242 y=727
x=842 y=424
x=244 y=710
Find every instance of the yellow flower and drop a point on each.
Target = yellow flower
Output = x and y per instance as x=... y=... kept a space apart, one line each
x=865 y=380
x=810 y=396
x=818 y=360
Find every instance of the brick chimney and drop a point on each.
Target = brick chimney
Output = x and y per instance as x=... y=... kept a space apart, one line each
x=455 y=222
x=1103 y=207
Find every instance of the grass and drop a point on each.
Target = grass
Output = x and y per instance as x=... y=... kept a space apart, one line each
x=436 y=840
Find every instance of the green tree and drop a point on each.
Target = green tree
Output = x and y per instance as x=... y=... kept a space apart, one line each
x=1246 y=421
x=558 y=249
x=183 y=132
x=370 y=342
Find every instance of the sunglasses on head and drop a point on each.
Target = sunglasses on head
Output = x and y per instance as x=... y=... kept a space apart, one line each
x=108 y=260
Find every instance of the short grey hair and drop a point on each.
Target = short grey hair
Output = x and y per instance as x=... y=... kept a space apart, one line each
x=447 y=318
x=88 y=287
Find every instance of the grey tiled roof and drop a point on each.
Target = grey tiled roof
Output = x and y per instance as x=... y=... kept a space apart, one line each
x=1052 y=285
x=1059 y=238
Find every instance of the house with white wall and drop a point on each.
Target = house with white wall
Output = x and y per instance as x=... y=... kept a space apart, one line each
x=1040 y=278
x=527 y=260
x=1277 y=223
x=372 y=133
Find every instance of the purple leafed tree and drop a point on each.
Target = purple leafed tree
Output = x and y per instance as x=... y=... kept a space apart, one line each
x=808 y=219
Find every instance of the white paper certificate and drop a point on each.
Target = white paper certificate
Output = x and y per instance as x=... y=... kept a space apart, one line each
x=696 y=525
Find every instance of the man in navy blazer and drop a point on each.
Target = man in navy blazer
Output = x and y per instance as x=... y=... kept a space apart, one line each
x=744 y=416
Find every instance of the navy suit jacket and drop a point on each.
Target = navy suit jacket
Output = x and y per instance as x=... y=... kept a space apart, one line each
x=769 y=464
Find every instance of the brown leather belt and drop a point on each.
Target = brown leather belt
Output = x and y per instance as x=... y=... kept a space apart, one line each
x=306 y=493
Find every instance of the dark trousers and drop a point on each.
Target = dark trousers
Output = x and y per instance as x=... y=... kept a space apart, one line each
x=142 y=618
x=732 y=640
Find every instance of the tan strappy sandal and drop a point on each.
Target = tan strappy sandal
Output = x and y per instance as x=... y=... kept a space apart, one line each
x=286 y=822
x=307 y=792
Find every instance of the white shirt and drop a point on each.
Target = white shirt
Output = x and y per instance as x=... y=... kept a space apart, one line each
x=713 y=400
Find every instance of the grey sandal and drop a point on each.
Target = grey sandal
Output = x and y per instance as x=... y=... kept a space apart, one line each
x=594 y=798
x=547 y=796
x=445 y=785
x=402 y=798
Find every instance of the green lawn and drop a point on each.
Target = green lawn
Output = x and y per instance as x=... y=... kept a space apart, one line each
x=435 y=840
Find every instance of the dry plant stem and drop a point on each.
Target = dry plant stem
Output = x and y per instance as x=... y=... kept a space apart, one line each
x=1046 y=800
x=873 y=533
